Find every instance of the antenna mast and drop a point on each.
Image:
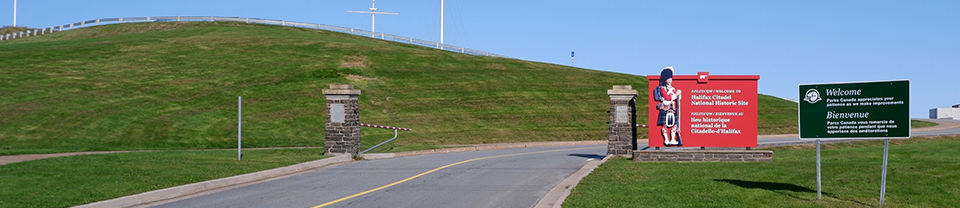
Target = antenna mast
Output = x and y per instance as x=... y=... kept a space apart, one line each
x=441 y=24
x=373 y=16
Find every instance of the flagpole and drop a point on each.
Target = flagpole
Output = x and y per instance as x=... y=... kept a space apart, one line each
x=441 y=24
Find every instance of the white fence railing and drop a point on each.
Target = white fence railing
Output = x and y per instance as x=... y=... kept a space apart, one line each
x=380 y=35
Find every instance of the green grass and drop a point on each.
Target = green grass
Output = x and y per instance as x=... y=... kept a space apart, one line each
x=10 y=30
x=922 y=172
x=921 y=124
x=776 y=116
x=76 y=180
x=174 y=85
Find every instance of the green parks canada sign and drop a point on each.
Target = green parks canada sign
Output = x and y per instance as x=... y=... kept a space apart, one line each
x=858 y=110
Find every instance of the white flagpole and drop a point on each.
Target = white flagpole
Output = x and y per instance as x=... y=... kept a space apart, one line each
x=441 y=24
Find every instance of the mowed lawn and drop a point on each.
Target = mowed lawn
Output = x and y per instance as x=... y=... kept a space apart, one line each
x=174 y=85
x=77 y=180
x=922 y=172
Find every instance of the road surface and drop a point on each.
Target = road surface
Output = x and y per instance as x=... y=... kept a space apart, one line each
x=494 y=178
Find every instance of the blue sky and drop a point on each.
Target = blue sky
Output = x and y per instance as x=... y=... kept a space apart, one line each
x=787 y=43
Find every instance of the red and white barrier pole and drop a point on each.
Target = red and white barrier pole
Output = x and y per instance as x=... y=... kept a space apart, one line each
x=385 y=127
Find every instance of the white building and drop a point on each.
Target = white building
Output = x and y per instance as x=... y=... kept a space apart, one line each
x=946 y=113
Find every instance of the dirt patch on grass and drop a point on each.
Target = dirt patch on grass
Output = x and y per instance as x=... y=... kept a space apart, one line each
x=359 y=78
x=353 y=62
x=17 y=111
x=496 y=66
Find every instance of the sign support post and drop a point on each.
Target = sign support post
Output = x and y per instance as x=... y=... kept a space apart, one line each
x=883 y=177
x=239 y=125
x=818 y=170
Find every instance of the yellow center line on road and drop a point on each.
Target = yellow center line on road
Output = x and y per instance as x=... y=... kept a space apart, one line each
x=440 y=168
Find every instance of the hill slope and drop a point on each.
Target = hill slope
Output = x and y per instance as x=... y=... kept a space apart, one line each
x=174 y=85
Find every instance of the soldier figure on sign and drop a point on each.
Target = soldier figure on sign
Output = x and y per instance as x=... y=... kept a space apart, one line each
x=669 y=108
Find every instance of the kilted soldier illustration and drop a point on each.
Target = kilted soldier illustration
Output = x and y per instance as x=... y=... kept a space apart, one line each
x=669 y=107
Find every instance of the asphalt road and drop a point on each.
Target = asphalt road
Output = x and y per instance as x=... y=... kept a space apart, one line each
x=494 y=178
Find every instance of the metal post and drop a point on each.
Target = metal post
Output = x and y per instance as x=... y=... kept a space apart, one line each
x=239 y=125
x=441 y=24
x=883 y=177
x=14 y=13
x=818 y=169
x=382 y=143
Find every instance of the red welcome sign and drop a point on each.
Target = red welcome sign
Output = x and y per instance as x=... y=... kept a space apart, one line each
x=702 y=110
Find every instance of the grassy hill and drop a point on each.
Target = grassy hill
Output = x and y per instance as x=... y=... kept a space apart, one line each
x=174 y=85
x=10 y=29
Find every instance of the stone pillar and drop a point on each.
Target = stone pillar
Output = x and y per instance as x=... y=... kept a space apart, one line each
x=623 y=121
x=342 y=135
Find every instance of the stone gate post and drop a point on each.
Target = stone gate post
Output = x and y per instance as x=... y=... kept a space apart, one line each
x=623 y=121
x=342 y=135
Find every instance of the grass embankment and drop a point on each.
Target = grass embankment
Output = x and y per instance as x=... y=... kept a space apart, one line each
x=76 y=180
x=776 y=116
x=11 y=29
x=922 y=172
x=921 y=124
x=174 y=85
